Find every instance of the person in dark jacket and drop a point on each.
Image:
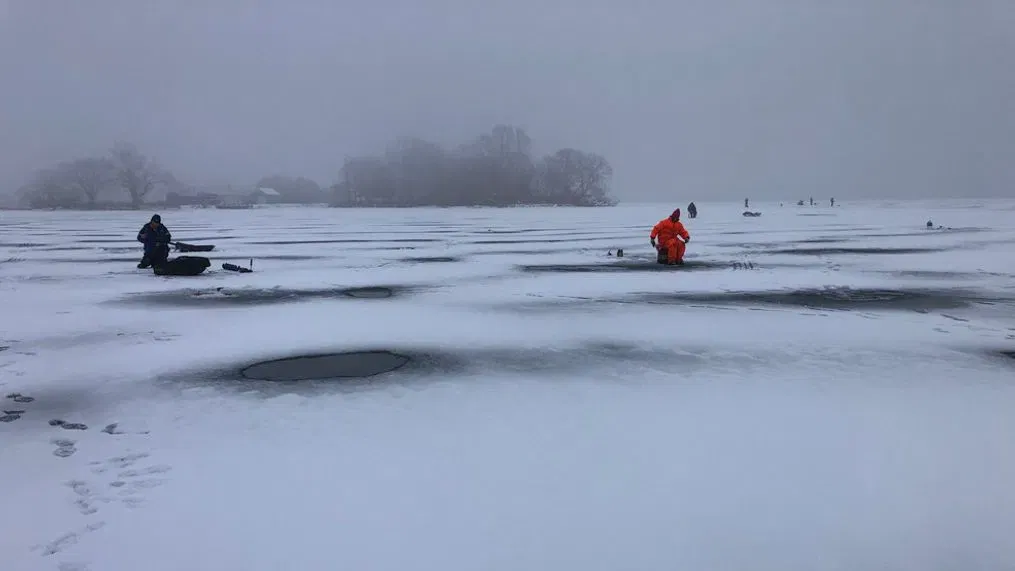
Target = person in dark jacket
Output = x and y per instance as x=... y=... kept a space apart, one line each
x=155 y=237
x=692 y=210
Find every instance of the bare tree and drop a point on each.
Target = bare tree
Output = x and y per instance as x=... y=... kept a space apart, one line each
x=89 y=175
x=50 y=188
x=136 y=173
x=570 y=176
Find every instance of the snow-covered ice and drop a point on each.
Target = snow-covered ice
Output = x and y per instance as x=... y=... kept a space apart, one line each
x=819 y=388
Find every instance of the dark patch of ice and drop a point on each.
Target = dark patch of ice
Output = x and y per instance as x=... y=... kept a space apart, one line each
x=626 y=266
x=357 y=364
x=345 y=241
x=369 y=292
x=842 y=298
x=257 y=296
x=861 y=251
x=431 y=259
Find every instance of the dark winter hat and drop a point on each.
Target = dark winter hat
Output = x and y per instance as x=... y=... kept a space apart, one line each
x=675 y=215
x=156 y=218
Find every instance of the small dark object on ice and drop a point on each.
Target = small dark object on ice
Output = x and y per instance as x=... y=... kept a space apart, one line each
x=115 y=429
x=56 y=422
x=23 y=399
x=235 y=268
x=185 y=247
x=930 y=224
x=620 y=252
x=183 y=266
x=9 y=417
x=752 y=214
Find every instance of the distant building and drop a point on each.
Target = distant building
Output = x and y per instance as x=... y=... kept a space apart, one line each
x=264 y=195
x=199 y=199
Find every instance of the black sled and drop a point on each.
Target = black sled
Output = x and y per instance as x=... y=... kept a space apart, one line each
x=185 y=247
x=183 y=266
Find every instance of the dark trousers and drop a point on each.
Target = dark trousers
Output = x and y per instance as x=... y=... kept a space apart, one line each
x=158 y=255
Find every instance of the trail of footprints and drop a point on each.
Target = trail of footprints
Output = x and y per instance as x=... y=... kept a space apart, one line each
x=125 y=488
x=121 y=480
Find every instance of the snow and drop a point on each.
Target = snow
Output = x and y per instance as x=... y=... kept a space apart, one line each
x=550 y=420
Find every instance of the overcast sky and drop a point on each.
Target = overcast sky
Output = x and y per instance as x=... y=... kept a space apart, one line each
x=704 y=99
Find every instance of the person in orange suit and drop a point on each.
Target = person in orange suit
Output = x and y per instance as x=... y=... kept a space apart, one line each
x=672 y=237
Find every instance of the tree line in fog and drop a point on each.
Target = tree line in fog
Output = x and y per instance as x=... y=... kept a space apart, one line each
x=494 y=169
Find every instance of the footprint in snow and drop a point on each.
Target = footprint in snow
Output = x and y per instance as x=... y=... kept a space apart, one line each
x=64 y=447
x=68 y=539
x=68 y=425
x=20 y=398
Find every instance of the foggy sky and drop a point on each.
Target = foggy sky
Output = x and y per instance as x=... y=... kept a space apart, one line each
x=700 y=99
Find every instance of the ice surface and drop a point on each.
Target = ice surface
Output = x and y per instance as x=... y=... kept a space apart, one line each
x=800 y=396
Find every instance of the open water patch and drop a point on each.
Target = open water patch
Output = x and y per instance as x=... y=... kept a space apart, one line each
x=926 y=232
x=853 y=251
x=105 y=241
x=22 y=245
x=344 y=241
x=356 y=364
x=378 y=367
x=282 y=257
x=626 y=266
x=82 y=248
x=572 y=238
x=936 y=274
x=783 y=244
x=431 y=259
x=93 y=260
x=831 y=298
x=229 y=297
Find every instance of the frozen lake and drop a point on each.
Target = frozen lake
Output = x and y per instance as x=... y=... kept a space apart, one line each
x=816 y=389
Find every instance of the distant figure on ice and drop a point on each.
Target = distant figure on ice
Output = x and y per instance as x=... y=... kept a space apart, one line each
x=673 y=238
x=832 y=202
x=930 y=224
x=812 y=201
x=155 y=238
x=692 y=210
x=747 y=203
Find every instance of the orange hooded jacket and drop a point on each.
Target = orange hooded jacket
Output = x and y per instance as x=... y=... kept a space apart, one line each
x=669 y=228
